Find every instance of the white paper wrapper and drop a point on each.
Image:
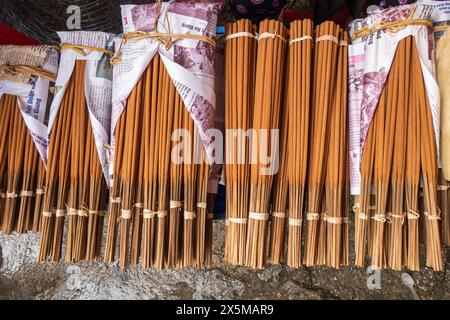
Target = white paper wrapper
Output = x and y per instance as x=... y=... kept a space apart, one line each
x=370 y=59
x=189 y=63
x=97 y=85
x=32 y=92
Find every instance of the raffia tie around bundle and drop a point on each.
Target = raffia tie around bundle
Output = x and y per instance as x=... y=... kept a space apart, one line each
x=60 y=213
x=334 y=220
x=40 y=191
x=72 y=212
x=236 y=221
x=379 y=217
x=26 y=193
x=261 y=216
x=368 y=30
x=261 y=36
x=47 y=214
x=161 y=214
x=83 y=50
x=83 y=212
x=280 y=215
x=35 y=71
x=312 y=216
x=11 y=195
x=174 y=204
x=116 y=200
x=166 y=39
x=125 y=214
x=413 y=215
x=148 y=214
x=392 y=216
x=201 y=205
x=430 y=216
x=189 y=215
x=295 y=222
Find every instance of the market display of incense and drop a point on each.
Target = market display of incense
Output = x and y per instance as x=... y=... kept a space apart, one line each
x=126 y=140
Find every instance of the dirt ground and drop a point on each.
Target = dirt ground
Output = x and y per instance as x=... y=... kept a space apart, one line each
x=22 y=278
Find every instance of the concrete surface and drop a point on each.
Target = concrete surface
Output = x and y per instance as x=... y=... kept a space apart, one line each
x=22 y=278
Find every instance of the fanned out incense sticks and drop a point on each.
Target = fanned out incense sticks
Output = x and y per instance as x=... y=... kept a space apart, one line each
x=299 y=92
x=160 y=201
x=75 y=185
x=240 y=67
x=400 y=146
x=266 y=117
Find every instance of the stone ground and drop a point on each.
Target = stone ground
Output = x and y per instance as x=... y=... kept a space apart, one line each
x=22 y=278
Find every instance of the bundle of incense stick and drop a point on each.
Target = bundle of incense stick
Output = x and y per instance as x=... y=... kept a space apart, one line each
x=175 y=195
x=324 y=87
x=266 y=120
x=129 y=169
x=30 y=163
x=240 y=67
x=400 y=147
x=56 y=179
x=298 y=88
x=335 y=221
x=74 y=181
x=190 y=181
x=280 y=196
x=161 y=203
